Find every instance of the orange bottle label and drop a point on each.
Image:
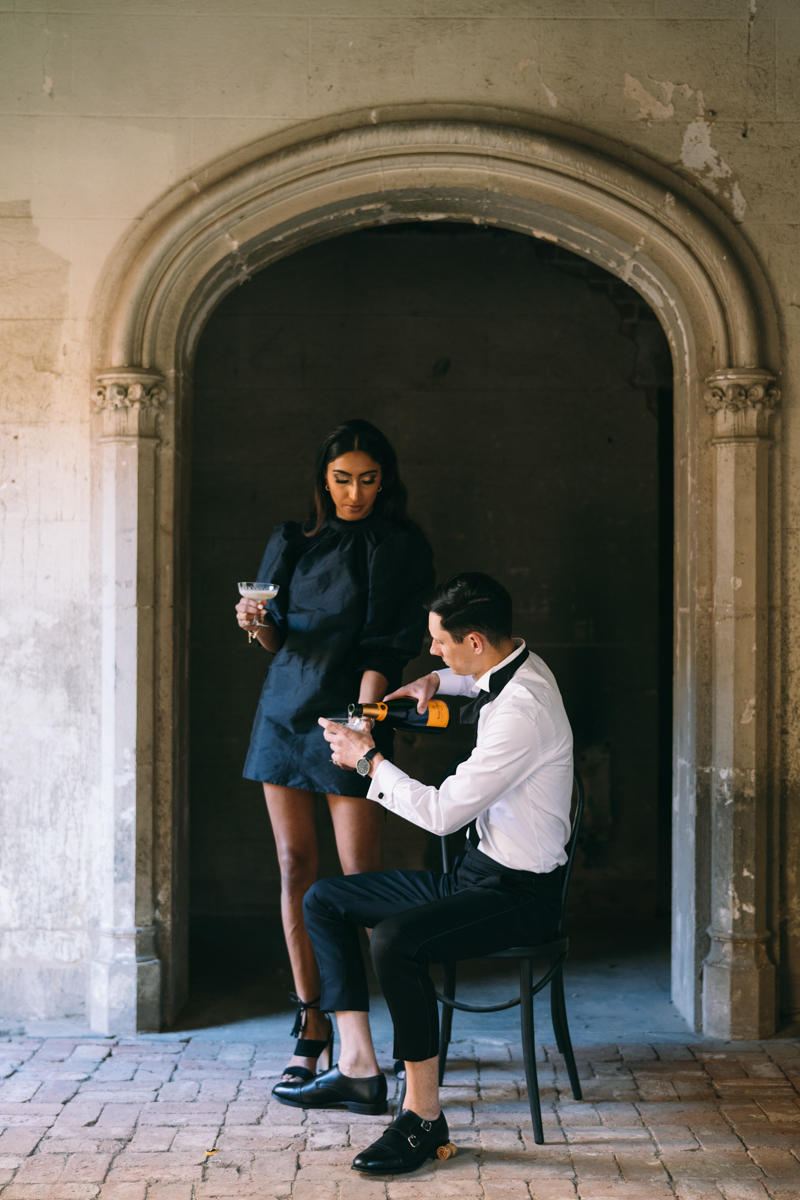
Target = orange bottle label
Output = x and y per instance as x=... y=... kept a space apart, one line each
x=438 y=714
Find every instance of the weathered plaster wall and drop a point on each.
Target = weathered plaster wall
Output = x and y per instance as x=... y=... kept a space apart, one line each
x=104 y=107
x=47 y=734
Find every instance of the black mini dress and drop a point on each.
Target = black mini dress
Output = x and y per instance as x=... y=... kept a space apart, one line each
x=350 y=601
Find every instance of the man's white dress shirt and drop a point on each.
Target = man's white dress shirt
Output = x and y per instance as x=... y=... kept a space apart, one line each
x=517 y=781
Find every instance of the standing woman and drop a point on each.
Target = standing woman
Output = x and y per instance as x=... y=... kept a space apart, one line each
x=347 y=619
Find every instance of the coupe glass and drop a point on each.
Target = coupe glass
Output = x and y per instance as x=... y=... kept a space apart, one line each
x=258 y=590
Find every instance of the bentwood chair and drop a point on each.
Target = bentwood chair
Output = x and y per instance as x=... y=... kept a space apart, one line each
x=556 y=952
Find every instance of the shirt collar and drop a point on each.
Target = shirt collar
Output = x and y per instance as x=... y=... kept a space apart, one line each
x=482 y=684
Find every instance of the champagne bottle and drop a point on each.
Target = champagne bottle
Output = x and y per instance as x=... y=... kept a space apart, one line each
x=401 y=713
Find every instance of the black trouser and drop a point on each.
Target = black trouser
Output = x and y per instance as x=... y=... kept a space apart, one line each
x=420 y=917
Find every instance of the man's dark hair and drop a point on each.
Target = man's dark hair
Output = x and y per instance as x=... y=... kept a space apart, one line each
x=473 y=603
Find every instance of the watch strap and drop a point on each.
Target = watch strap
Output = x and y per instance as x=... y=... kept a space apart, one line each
x=362 y=766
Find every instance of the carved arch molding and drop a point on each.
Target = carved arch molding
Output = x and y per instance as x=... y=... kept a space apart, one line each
x=695 y=271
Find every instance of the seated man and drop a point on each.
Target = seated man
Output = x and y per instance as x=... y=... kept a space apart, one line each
x=514 y=792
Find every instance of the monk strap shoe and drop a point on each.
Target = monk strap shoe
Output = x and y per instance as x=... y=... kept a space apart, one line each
x=406 y=1145
x=332 y=1089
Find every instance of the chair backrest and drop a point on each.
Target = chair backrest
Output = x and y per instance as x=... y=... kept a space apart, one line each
x=576 y=816
x=572 y=844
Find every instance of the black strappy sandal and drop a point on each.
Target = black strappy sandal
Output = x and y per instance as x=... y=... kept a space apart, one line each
x=306 y=1047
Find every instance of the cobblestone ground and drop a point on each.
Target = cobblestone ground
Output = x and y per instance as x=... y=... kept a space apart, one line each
x=133 y=1119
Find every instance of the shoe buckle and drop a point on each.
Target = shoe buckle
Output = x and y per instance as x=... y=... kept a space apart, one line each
x=427 y=1125
x=413 y=1141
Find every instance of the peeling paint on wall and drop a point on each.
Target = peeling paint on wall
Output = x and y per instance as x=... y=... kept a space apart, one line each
x=650 y=107
x=703 y=161
x=656 y=102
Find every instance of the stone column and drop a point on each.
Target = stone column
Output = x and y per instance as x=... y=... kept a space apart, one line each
x=125 y=981
x=738 y=977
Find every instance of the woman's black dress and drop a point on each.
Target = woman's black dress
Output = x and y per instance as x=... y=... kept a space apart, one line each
x=350 y=601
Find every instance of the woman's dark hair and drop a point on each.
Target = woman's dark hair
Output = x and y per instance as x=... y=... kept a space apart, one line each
x=473 y=603
x=359 y=435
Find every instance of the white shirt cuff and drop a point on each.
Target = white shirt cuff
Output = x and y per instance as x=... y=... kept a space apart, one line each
x=449 y=684
x=385 y=777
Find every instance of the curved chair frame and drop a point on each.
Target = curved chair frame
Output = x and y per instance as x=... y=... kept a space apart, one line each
x=557 y=952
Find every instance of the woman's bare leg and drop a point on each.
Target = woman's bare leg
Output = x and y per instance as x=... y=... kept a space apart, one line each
x=357 y=824
x=291 y=812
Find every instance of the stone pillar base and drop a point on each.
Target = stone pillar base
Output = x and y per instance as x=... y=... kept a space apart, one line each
x=738 y=989
x=125 y=983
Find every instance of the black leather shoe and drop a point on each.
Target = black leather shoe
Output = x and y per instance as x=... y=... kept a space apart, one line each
x=332 y=1089
x=406 y=1146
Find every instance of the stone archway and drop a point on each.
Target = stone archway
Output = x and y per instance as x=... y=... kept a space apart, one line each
x=698 y=277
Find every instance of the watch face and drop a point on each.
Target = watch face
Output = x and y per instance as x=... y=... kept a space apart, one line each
x=362 y=766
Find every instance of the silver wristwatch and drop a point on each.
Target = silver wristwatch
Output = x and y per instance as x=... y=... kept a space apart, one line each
x=362 y=766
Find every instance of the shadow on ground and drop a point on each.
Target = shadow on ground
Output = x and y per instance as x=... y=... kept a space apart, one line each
x=617 y=980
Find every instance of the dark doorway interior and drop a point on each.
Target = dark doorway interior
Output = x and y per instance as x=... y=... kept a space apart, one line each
x=529 y=396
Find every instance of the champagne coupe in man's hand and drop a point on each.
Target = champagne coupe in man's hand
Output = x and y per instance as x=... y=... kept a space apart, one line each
x=257 y=591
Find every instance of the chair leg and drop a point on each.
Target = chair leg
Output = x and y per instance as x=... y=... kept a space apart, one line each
x=529 y=1046
x=446 y=1023
x=558 y=1008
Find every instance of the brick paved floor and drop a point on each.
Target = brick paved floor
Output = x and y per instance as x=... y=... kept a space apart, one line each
x=132 y=1119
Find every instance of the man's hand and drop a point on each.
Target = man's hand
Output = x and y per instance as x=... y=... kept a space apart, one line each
x=347 y=745
x=421 y=690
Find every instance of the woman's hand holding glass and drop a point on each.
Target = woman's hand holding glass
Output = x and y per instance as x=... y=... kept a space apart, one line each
x=251 y=611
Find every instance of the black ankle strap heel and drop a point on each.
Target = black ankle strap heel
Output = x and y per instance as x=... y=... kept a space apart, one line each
x=306 y=1047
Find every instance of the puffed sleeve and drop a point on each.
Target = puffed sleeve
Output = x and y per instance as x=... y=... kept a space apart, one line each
x=277 y=566
x=400 y=580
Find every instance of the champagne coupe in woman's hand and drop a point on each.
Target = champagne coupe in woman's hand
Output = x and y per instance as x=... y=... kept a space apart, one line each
x=257 y=591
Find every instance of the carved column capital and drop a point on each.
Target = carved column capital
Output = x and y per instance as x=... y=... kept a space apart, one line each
x=130 y=400
x=742 y=400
